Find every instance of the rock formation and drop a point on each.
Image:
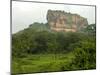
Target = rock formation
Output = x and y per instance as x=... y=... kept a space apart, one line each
x=63 y=21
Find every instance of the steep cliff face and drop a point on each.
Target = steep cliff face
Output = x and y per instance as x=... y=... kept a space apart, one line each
x=63 y=21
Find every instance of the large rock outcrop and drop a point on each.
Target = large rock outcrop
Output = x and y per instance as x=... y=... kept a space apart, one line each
x=63 y=21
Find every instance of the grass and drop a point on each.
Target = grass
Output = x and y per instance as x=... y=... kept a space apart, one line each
x=41 y=63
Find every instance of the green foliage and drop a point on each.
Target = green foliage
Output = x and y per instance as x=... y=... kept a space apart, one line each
x=57 y=51
x=91 y=29
x=40 y=63
x=84 y=56
x=39 y=26
x=43 y=42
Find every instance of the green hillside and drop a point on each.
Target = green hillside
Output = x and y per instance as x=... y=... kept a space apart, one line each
x=38 y=49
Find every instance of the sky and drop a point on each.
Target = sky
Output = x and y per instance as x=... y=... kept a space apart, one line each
x=26 y=13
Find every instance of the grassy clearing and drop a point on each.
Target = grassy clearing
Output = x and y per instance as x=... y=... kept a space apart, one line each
x=41 y=63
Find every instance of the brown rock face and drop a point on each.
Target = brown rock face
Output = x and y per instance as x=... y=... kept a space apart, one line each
x=63 y=21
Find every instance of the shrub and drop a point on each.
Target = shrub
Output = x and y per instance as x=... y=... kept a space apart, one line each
x=85 y=56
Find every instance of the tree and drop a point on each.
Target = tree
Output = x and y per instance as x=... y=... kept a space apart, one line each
x=85 y=56
x=91 y=28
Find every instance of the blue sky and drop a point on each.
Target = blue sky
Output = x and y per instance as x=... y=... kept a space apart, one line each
x=26 y=13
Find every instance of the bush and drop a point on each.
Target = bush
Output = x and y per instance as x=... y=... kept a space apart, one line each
x=85 y=56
